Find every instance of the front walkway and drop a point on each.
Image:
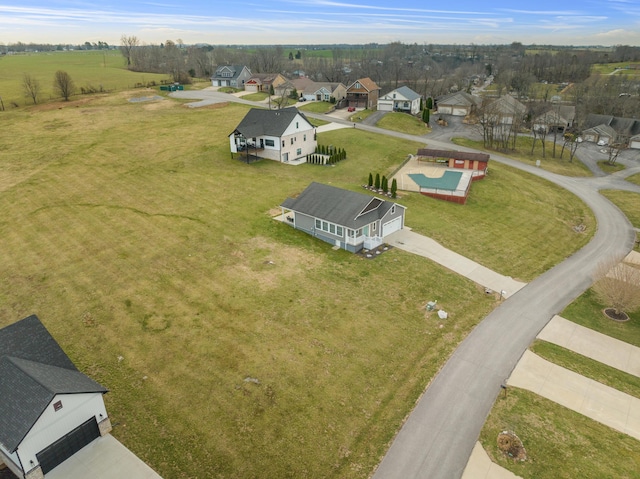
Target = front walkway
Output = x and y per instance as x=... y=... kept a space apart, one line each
x=103 y=458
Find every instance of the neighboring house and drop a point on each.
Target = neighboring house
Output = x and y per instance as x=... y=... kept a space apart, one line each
x=401 y=99
x=599 y=133
x=319 y=91
x=610 y=128
x=505 y=110
x=264 y=82
x=459 y=103
x=231 y=75
x=363 y=93
x=281 y=135
x=48 y=409
x=343 y=218
x=559 y=117
x=634 y=142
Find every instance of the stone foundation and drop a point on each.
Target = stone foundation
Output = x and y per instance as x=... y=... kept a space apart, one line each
x=35 y=473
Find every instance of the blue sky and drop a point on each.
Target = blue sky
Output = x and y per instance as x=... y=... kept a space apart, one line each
x=569 y=22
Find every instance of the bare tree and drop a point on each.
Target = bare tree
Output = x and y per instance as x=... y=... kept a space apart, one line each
x=571 y=142
x=618 y=286
x=31 y=87
x=127 y=45
x=613 y=150
x=63 y=84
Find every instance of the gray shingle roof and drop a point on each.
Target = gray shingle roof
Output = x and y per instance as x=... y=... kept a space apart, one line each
x=260 y=122
x=33 y=369
x=342 y=207
x=406 y=92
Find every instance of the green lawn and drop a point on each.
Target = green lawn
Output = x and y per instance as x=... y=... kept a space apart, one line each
x=94 y=69
x=634 y=179
x=316 y=107
x=129 y=230
x=403 y=123
x=258 y=96
x=587 y=311
x=560 y=443
x=609 y=168
x=561 y=166
x=628 y=202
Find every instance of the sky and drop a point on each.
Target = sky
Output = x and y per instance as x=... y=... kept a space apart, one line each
x=308 y=22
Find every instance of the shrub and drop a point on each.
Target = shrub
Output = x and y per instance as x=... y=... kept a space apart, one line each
x=370 y=183
x=377 y=182
x=394 y=188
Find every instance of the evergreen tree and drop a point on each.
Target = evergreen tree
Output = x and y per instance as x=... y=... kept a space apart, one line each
x=370 y=183
x=425 y=115
x=429 y=103
x=394 y=188
x=377 y=182
x=384 y=184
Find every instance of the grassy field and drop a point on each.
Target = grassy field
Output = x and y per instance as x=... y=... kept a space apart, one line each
x=561 y=166
x=233 y=345
x=560 y=443
x=316 y=106
x=403 y=123
x=628 y=202
x=88 y=69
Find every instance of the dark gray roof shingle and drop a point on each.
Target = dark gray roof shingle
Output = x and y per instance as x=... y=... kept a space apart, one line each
x=342 y=207
x=259 y=122
x=33 y=369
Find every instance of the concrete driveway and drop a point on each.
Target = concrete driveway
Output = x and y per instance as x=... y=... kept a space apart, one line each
x=104 y=458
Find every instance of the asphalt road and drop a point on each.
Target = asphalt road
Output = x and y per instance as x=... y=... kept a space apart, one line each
x=437 y=438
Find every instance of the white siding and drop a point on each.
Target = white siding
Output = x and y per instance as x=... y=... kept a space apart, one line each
x=52 y=425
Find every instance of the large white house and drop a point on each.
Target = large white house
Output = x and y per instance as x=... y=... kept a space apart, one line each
x=282 y=135
x=401 y=99
x=48 y=409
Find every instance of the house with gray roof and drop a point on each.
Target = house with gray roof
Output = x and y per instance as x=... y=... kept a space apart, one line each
x=233 y=76
x=401 y=99
x=611 y=129
x=459 y=103
x=283 y=135
x=349 y=220
x=558 y=117
x=49 y=410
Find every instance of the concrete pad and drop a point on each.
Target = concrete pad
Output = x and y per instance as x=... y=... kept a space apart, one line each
x=423 y=246
x=480 y=466
x=601 y=403
x=633 y=258
x=594 y=345
x=104 y=458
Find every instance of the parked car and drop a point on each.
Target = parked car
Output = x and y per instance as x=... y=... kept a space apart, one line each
x=351 y=108
x=302 y=99
x=601 y=143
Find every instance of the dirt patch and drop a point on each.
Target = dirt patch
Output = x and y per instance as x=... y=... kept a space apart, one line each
x=59 y=105
x=375 y=252
x=511 y=446
x=620 y=317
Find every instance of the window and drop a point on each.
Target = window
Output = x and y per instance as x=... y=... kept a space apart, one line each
x=282 y=143
x=374 y=227
x=393 y=209
x=57 y=405
x=292 y=141
x=330 y=228
x=299 y=151
x=339 y=230
x=269 y=143
x=351 y=233
x=297 y=125
x=304 y=138
x=318 y=224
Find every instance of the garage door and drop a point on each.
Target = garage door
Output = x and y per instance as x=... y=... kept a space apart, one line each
x=392 y=226
x=68 y=445
x=459 y=111
x=385 y=105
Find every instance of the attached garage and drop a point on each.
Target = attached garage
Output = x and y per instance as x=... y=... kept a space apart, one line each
x=392 y=226
x=385 y=105
x=68 y=445
x=459 y=111
x=635 y=142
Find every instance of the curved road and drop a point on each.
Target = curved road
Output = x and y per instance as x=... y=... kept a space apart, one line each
x=437 y=439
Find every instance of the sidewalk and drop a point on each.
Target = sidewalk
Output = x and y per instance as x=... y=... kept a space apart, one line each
x=601 y=403
x=407 y=240
x=594 y=345
x=480 y=466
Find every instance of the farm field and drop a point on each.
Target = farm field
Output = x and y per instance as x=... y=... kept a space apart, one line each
x=94 y=69
x=233 y=345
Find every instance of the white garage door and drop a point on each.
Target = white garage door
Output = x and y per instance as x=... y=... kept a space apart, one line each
x=445 y=110
x=635 y=144
x=459 y=111
x=391 y=226
x=385 y=105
